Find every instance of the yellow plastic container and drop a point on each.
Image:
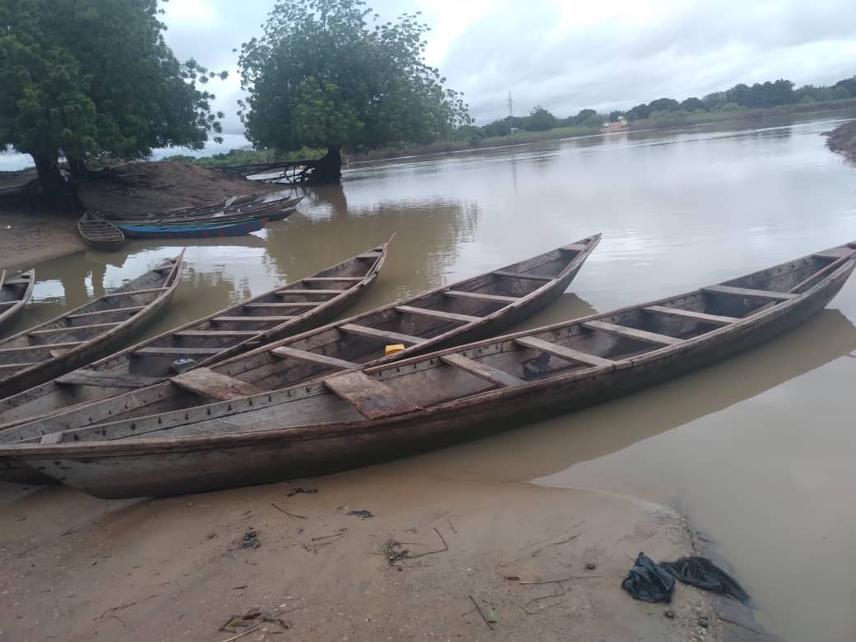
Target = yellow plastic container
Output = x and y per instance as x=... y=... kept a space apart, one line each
x=393 y=348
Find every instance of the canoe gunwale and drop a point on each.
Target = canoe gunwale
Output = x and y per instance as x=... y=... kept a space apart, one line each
x=18 y=305
x=128 y=447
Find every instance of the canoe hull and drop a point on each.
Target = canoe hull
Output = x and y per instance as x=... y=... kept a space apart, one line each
x=247 y=459
x=191 y=230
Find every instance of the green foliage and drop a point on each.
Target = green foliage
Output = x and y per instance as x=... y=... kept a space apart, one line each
x=82 y=78
x=329 y=73
x=249 y=157
x=540 y=120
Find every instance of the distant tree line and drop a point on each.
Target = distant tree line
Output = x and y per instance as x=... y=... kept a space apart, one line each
x=741 y=96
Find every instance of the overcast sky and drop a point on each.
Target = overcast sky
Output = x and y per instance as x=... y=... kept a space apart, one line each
x=568 y=55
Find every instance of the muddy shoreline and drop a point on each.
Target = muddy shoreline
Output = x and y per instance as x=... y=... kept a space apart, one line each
x=364 y=555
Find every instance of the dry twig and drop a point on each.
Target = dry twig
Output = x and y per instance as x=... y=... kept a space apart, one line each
x=285 y=512
x=479 y=609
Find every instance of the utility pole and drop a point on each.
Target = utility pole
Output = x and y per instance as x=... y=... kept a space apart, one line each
x=510 y=104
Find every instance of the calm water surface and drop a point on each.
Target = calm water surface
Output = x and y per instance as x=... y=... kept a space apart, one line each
x=758 y=451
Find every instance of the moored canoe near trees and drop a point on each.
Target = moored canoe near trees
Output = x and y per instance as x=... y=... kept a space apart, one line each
x=15 y=291
x=366 y=415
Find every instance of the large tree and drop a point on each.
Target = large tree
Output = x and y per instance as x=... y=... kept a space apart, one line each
x=92 y=78
x=329 y=73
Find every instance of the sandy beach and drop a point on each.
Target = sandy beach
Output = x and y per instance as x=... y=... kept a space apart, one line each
x=364 y=555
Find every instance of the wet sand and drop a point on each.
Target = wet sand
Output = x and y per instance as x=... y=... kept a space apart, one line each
x=28 y=239
x=77 y=568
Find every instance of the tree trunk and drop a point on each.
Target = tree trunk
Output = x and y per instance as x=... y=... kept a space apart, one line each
x=77 y=168
x=49 y=175
x=328 y=168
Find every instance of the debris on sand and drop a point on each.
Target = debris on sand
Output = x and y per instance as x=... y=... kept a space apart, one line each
x=362 y=513
x=250 y=539
x=301 y=491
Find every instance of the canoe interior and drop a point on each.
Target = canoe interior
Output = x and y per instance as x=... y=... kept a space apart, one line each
x=286 y=310
x=100 y=233
x=243 y=208
x=15 y=292
x=555 y=353
x=355 y=341
x=85 y=325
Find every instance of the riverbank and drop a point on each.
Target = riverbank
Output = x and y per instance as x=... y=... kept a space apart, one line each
x=842 y=140
x=30 y=238
x=359 y=556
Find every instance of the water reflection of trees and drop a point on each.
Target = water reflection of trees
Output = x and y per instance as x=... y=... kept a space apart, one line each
x=429 y=236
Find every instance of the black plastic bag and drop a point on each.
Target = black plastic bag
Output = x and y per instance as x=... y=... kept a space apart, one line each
x=648 y=582
x=701 y=572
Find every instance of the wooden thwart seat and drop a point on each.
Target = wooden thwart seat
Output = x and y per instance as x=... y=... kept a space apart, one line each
x=632 y=333
x=574 y=247
x=75 y=327
x=276 y=306
x=569 y=354
x=382 y=335
x=438 y=314
x=321 y=359
x=325 y=279
x=43 y=346
x=748 y=292
x=522 y=275
x=481 y=370
x=133 y=292
x=835 y=253
x=176 y=351
x=692 y=315
x=130 y=308
x=83 y=377
x=305 y=292
x=16 y=366
x=259 y=319
x=213 y=385
x=370 y=398
x=479 y=296
x=216 y=333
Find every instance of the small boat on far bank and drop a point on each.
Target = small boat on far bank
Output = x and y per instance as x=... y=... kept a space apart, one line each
x=15 y=291
x=99 y=233
x=356 y=417
x=190 y=229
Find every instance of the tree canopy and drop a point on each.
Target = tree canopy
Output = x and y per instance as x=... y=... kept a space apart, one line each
x=329 y=73
x=85 y=78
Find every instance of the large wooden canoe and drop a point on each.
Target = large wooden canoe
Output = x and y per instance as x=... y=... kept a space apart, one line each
x=160 y=230
x=15 y=292
x=449 y=315
x=257 y=208
x=100 y=234
x=284 y=311
x=386 y=411
x=83 y=334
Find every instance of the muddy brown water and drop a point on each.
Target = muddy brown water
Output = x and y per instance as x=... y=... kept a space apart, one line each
x=758 y=451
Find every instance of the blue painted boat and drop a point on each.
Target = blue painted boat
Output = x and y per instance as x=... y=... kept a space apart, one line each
x=191 y=230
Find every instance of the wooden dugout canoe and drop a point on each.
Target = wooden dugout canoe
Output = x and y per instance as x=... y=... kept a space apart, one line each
x=287 y=310
x=424 y=402
x=81 y=335
x=444 y=316
x=159 y=230
x=272 y=210
x=100 y=234
x=15 y=291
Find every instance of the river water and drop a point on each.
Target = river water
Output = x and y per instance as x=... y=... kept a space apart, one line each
x=758 y=451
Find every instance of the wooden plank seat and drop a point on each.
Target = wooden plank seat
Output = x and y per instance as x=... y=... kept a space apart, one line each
x=176 y=351
x=74 y=327
x=214 y=385
x=324 y=279
x=480 y=296
x=305 y=292
x=481 y=370
x=438 y=314
x=522 y=275
x=5 y=303
x=692 y=315
x=749 y=292
x=216 y=333
x=370 y=398
x=574 y=247
x=835 y=253
x=83 y=377
x=568 y=354
x=632 y=333
x=42 y=346
x=293 y=304
x=382 y=335
x=130 y=308
x=134 y=292
x=259 y=318
x=284 y=352
x=16 y=366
